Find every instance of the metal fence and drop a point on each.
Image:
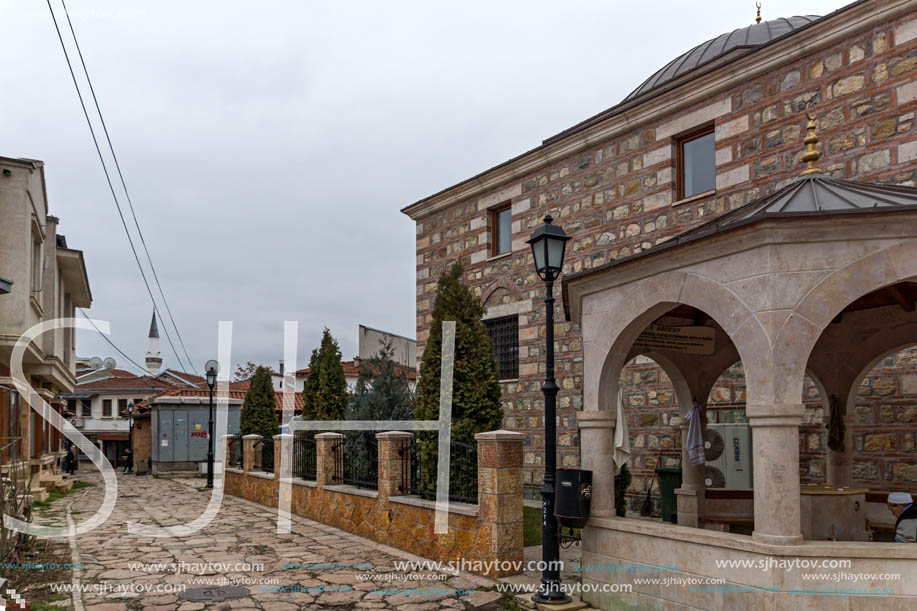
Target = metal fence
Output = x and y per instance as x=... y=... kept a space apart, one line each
x=266 y=454
x=15 y=474
x=356 y=461
x=303 y=456
x=234 y=452
x=418 y=471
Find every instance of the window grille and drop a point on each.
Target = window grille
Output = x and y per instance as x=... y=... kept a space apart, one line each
x=504 y=334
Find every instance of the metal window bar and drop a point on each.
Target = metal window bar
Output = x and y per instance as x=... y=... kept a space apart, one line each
x=418 y=470
x=15 y=500
x=504 y=335
x=356 y=461
x=303 y=456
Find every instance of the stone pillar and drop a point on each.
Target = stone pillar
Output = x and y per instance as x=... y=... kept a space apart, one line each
x=839 y=465
x=283 y=446
x=775 y=440
x=391 y=463
x=690 y=497
x=500 y=494
x=324 y=458
x=597 y=440
x=224 y=443
x=250 y=460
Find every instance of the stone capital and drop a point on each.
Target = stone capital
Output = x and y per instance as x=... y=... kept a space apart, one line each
x=252 y=437
x=775 y=421
x=394 y=435
x=772 y=410
x=500 y=435
x=329 y=436
x=602 y=419
x=283 y=437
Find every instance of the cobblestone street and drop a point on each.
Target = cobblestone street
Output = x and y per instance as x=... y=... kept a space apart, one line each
x=244 y=536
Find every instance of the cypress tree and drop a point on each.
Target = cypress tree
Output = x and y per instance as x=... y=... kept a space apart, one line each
x=476 y=403
x=259 y=415
x=324 y=392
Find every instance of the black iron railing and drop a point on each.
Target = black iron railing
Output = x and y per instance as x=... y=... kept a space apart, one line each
x=265 y=452
x=303 y=456
x=234 y=452
x=419 y=464
x=356 y=461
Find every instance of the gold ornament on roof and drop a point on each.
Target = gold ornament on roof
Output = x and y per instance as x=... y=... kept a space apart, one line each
x=811 y=154
x=758 y=18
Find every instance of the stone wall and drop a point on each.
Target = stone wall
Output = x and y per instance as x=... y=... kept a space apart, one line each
x=487 y=533
x=616 y=198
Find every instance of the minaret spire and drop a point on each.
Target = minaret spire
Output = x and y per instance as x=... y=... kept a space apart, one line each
x=153 y=359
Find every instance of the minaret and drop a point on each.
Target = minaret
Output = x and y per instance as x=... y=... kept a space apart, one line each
x=153 y=360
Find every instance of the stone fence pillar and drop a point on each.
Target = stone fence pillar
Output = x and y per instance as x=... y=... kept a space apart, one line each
x=283 y=446
x=324 y=458
x=224 y=443
x=392 y=464
x=250 y=460
x=500 y=493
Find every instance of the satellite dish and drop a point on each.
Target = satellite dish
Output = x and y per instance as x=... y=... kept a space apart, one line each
x=109 y=363
x=95 y=362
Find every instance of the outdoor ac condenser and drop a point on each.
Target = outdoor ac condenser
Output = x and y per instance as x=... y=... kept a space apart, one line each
x=727 y=448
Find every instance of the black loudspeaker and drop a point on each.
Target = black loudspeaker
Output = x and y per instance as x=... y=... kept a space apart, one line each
x=574 y=497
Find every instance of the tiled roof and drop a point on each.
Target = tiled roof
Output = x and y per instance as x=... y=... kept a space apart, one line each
x=144 y=405
x=353 y=368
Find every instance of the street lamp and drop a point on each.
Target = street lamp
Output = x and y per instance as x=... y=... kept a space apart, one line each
x=212 y=368
x=548 y=245
x=130 y=433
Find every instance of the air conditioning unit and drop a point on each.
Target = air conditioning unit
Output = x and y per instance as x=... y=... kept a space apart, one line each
x=77 y=422
x=727 y=449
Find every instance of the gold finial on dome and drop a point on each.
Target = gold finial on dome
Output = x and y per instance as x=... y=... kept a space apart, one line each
x=811 y=154
x=758 y=18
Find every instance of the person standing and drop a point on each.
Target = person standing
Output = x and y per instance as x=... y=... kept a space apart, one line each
x=71 y=461
x=901 y=504
x=128 y=460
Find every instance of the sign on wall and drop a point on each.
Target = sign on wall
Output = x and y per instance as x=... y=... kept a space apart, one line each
x=689 y=340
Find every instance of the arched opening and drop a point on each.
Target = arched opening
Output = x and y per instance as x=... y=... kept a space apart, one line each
x=867 y=360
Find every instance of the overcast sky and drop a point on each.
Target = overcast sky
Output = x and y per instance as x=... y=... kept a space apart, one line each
x=269 y=146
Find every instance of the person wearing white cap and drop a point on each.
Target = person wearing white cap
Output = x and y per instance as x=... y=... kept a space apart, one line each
x=902 y=507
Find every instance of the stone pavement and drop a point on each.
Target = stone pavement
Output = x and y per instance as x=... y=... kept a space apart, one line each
x=244 y=535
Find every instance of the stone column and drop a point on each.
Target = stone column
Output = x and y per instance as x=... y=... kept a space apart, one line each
x=324 y=458
x=392 y=463
x=839 y=465
x=597 y=439
x=690 y=497
x=775 y=441
x=250 y=460
x=224 y=443
x=283 y=446
x=500 y=494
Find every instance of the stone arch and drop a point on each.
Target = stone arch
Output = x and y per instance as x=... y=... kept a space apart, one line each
x=865 y=370
x=500 y=287
x=649 y=300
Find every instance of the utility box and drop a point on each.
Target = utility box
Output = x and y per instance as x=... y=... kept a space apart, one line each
x=573 y=497
x=178 y=431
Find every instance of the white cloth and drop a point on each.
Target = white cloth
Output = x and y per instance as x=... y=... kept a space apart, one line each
x=622 y=437
x=900 y=498
x=695 y=442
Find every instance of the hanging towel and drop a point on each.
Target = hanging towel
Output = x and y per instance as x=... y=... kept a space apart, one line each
x=836 y=427
x=695 y=442
x=622 y=436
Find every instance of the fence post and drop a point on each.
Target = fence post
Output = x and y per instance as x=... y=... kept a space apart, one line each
x=324 y=458
x=248 y=452
x=283 y=446
x=500 y=493
x=225 y=442
x=391 y=463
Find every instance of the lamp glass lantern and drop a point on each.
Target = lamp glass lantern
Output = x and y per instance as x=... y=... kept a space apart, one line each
x=213 y=368
x=549 y=243
x=130 y=407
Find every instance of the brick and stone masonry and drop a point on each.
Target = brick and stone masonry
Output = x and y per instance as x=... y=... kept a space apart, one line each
x=616 y=197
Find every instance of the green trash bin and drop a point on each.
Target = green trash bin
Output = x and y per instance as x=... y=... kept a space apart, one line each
x=669 y=480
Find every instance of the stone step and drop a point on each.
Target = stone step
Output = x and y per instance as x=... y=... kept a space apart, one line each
x=64 y=485
x=39 y=494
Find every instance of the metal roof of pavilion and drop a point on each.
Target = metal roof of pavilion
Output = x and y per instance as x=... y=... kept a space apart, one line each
x=749 y=37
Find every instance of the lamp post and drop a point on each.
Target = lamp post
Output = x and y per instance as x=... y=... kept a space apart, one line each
x=130 y=433
x=212 y=368
x=548 y=245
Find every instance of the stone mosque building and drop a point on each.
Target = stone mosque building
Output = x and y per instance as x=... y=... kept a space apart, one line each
x=757 y=193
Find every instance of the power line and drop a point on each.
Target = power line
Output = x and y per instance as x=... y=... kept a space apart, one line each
x=108 y=179
x=111 y=343
x=124 y=185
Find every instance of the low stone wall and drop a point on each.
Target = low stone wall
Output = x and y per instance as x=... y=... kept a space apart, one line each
x=488 y=535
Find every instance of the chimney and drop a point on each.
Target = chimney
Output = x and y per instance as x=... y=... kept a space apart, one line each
x=281 y=369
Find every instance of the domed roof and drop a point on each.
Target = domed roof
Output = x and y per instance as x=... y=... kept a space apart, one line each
x=748 y=37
